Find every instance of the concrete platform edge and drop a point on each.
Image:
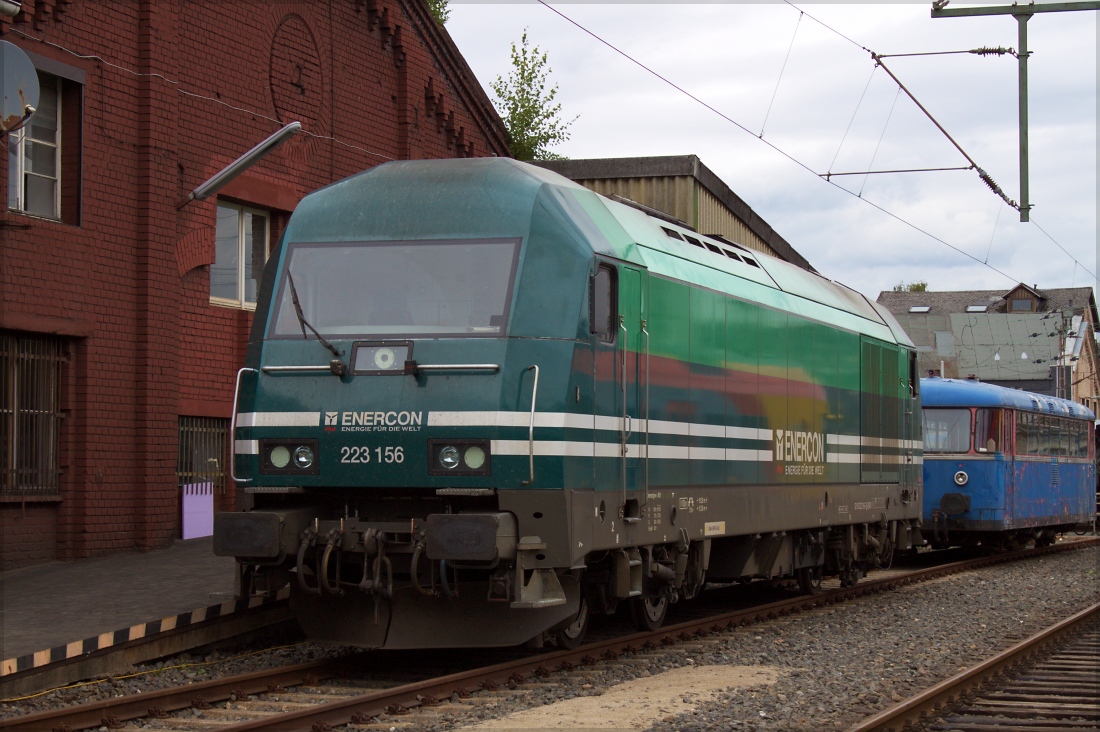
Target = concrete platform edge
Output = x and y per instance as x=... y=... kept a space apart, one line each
x=146 y=631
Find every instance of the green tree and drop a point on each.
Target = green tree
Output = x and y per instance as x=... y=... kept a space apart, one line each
x=918 y=286
x=439 y=10
x=526 y=103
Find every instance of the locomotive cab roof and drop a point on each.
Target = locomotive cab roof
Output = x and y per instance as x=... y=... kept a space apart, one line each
x=491 y=198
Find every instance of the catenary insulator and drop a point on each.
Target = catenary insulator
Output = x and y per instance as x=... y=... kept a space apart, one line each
x=990 y=51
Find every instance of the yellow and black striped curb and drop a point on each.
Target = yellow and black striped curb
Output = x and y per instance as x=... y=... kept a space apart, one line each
x=140 y=631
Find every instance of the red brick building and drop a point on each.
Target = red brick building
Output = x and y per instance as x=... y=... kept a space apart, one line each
x=123 y=315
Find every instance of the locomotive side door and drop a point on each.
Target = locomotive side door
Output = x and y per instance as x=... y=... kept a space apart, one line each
x=618 y=295
x=634 y=365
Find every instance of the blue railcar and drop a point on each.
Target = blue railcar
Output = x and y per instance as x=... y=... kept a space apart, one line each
x=1003 y=467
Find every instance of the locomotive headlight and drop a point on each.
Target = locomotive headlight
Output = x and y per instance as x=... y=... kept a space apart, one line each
x=303 y=457
x=448 y=457
x=459 y=456
x=279 y=456
x=292 y=456
x=961 y=478
x=474 y=457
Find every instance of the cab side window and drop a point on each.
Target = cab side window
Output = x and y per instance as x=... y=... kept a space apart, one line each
x=601 y=304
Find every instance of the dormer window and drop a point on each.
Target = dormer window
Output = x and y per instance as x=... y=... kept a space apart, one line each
x=1021 y=305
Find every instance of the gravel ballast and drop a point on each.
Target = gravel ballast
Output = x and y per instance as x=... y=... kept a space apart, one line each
x=841 y=663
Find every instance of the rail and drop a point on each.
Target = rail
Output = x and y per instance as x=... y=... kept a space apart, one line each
x=909 y=711
x=361 y=708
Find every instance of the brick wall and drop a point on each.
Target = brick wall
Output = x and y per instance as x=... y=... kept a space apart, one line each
x=28 y=534
x=177 y=91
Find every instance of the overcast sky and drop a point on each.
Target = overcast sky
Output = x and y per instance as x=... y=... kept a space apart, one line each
x=730 y=55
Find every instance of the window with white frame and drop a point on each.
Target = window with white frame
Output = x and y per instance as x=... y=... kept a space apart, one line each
x=240 y=254
x=34 y=156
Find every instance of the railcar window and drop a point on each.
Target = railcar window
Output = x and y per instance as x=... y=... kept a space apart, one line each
x=399 y=288
x=1081 y=444
x=987 y=430
x=946 y=430
x=602 y=304
x=1064 y=430
x=1021 y=433
x=1045 y=441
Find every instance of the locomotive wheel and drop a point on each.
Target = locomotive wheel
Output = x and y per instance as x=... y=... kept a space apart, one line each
x=570 y=636
x=649 y=612
x=850 y=576
x=809 y=580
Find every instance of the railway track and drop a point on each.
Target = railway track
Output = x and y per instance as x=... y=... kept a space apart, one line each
x=1051 y=681
x=324 y=694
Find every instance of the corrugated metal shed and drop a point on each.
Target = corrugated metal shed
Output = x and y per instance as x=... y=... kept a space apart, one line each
x=682 y=187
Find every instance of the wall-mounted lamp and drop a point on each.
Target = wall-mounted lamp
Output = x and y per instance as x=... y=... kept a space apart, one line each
x=238 y=166
x=10 y=8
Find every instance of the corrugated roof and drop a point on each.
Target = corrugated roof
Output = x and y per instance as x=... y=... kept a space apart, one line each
x=679 y=165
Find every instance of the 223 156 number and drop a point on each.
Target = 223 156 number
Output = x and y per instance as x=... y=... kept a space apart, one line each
x=362 y=454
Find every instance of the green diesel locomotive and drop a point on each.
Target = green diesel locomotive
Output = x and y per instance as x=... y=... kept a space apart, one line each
x=481 y=403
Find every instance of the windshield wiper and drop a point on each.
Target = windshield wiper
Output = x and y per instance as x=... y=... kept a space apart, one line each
x=336 y=365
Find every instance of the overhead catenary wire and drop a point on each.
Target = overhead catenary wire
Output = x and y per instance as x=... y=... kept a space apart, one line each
x=983 y=51
x=874 y=155
x=825 y=25
x=1048 y=236
x=774 y=147
x=781 y=70
x=993 y=233
x=853 y=119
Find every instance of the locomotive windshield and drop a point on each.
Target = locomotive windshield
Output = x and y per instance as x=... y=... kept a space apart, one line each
x=433 y=288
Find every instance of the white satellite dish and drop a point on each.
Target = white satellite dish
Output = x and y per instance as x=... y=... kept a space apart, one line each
x=18 y=87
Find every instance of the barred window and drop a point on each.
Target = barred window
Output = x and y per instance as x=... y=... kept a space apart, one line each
x=202 y=452
x=30 y=414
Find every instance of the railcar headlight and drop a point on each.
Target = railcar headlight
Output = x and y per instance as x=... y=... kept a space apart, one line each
x=961 y=478
x=448 y=457
x=303 y=457
x=280 y=456
x=474 y=457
